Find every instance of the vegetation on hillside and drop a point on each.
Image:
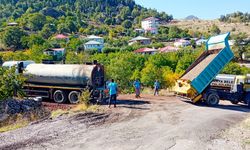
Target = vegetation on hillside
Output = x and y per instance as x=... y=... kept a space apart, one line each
x=235 y=17
x=71 y=16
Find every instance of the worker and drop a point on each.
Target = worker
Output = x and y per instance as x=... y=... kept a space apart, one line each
x=156 y=87
x=137 y=86
x=113 y=89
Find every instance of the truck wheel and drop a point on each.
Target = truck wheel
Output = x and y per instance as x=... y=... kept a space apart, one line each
x=74 y=97
x=60 y=96
x=212 y=99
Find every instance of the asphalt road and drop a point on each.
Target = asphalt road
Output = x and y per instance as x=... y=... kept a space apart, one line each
x=161 y=123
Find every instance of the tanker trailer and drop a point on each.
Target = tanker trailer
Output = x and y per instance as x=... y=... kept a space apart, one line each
x=62 y=82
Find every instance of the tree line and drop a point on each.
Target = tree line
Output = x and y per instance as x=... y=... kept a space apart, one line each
x=125 y=66
x=235 y=17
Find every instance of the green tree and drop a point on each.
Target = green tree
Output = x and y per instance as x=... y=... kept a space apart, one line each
x=62 y=28
x=235 y=69
x=108 y=21
x=125 y=12
x=241 y=46
x=173 y=32
x=149 y=74
x=12 y=37
x=127 y=24
x=48 y=30
x=215 y=29
x=183 y=63
x=33 y=39
x=10 y=83
x=37 y=21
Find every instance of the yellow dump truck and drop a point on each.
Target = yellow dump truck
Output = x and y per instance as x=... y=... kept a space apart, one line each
x=195 y=83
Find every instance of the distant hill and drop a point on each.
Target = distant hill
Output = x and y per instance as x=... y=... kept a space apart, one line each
x=191 y=17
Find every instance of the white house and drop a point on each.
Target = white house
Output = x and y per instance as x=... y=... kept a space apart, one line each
x=12 y=24
x=57 y=53
x=95 y=38
x=93 y=45
x=150 y=25
x=141 y=40
x=139 y=31
x=182 y=43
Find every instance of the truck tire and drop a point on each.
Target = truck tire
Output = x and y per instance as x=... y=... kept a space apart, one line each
x=59 y=96
x=212 y=99
x=74 y=97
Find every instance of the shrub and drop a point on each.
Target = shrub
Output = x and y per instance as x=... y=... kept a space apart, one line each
x=85 y=98
x=235 y=69
x=10 y=83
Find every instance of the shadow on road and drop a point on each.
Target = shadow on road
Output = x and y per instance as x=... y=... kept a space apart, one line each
x=132 y=102
x=133 y=107
x=238 y=107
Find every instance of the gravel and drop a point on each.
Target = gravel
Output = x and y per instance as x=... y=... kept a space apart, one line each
x=163 y=122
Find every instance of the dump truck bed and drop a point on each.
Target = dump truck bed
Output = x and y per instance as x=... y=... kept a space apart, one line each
x=202 y=72
x=194 y=72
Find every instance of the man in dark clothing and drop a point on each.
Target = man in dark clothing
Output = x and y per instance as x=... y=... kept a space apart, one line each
x=156 y=87
x=112 y=86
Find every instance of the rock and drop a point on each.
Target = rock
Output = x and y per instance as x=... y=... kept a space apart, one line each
x=16 y=106
x=13 y=107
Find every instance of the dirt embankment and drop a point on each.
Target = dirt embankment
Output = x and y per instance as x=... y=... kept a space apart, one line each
x=14 y=113
x=163 y=122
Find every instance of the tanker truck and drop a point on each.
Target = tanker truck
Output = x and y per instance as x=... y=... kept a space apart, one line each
x=63 y=82
x=194 y=84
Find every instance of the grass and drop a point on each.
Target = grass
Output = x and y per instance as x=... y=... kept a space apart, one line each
x=57 y=113
x=14 y=126
x=79 y=108
x=93 y=108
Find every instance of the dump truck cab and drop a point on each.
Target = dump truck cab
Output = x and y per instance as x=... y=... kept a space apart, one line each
x=234 y=91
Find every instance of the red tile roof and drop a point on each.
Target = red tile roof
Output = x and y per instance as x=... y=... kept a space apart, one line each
x=61 y=36
x=168 y=49
x=150 y=18
x=143 y=50
x=150 y=29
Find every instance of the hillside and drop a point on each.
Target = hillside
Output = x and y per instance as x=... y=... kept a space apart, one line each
x=205 y=25
x=67 y=16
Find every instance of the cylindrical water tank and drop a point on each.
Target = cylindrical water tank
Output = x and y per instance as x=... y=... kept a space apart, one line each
x=68 y=75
